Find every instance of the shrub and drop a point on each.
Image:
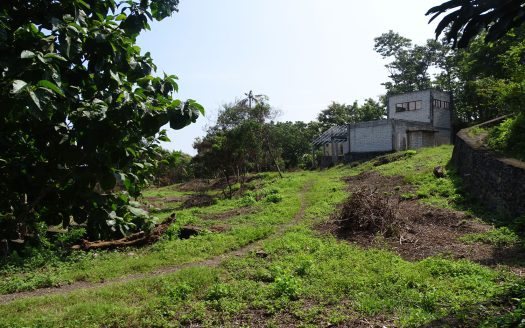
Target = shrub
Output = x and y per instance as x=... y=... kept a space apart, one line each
x=509 y=137
x=286 y=285
x=274 y=198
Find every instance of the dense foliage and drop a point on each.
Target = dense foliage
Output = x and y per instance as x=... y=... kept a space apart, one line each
x=340 y=114
x=411 y=65
x=466 y=19
x=80 y=113
x=509 y=137
x=246 y=139
x=173 y=167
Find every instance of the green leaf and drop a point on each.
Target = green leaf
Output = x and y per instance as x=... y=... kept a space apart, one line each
x=55 y=56
x=50 y=86
x=18 y=85
x=115 y=77
x=121 y=17
x=195 y=105
x=26 y=54
x=137 y=211
x=35 y=99
x=131 y=151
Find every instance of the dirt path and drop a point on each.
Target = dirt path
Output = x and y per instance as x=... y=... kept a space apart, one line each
x=211 y=262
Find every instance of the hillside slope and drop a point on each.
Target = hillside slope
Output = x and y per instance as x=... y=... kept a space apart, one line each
x=297 y=270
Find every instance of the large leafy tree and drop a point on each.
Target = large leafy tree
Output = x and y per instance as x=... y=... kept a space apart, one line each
x=463 y=20
x=292 y=141
x=340 y=114
x=491 y=77
x=81 y=110
x=410 y=65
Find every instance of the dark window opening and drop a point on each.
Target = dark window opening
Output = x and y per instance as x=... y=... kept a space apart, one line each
x=440 y=104
x=407 y=106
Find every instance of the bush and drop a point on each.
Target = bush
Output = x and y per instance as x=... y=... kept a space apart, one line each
x=508 y=138
x=286 y=285
x=274 y=198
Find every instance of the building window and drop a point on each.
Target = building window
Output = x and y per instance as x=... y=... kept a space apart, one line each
x=441 y=104
x=411 y=105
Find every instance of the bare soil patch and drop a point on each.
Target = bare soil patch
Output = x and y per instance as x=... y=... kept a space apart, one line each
x=198 y=200
x=195 y=185
x=229 y=214
x=421 y=230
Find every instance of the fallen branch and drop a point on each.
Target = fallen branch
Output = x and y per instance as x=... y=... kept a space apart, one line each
x=137 y=239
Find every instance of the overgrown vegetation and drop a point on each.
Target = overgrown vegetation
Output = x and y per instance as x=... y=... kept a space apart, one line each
x=300 y=277
x=508 y=137
x=500 y=237
x=81 y=111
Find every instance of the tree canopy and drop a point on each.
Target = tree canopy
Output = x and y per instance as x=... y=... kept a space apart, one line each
x=411 y=64
x=340 y=114
x=81 y=111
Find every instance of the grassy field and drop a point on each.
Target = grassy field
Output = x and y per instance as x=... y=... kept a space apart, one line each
x=300 y=277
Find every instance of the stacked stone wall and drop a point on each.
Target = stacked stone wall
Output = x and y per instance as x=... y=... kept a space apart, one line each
x=496 y=182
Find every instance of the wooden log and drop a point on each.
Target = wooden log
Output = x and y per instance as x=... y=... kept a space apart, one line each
x=137 y=239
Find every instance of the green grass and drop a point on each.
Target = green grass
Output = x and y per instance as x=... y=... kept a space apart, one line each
x=501 y=237
x=418 y=170
x=96 y=266
x=306 y=278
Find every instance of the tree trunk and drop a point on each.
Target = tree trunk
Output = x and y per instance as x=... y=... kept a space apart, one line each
x=136 y=239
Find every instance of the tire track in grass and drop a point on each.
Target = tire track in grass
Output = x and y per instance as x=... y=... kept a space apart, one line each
x=211 y=262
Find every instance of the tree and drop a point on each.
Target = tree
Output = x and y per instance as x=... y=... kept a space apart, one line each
x=490 y=77
x=173 y=167
x=80 y=110
x=371 y=110
x=470 y=17
x=238 y=143
x=292 y=140
x=409 y=68
x=341 y=114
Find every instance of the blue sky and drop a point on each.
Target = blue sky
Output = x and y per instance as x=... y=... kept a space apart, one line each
x=303 y=54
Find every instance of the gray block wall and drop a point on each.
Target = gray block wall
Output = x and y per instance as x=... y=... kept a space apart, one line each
x=373 y=136
x=420 y=115
x=442 y=117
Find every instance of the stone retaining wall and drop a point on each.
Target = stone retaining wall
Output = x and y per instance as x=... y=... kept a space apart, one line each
x=499 y=183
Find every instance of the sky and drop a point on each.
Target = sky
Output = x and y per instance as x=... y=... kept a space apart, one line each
x=302 y=54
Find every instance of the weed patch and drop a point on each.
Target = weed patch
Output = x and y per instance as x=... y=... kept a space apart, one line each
x=502 y=237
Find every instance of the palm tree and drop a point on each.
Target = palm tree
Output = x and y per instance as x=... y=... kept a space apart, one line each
x=469 y=17
x=252 y=99
x=261 y=111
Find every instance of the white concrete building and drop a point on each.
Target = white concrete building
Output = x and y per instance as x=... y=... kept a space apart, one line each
x=414 y=120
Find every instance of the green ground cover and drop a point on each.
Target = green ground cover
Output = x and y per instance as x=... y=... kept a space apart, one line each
x=304 y=278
